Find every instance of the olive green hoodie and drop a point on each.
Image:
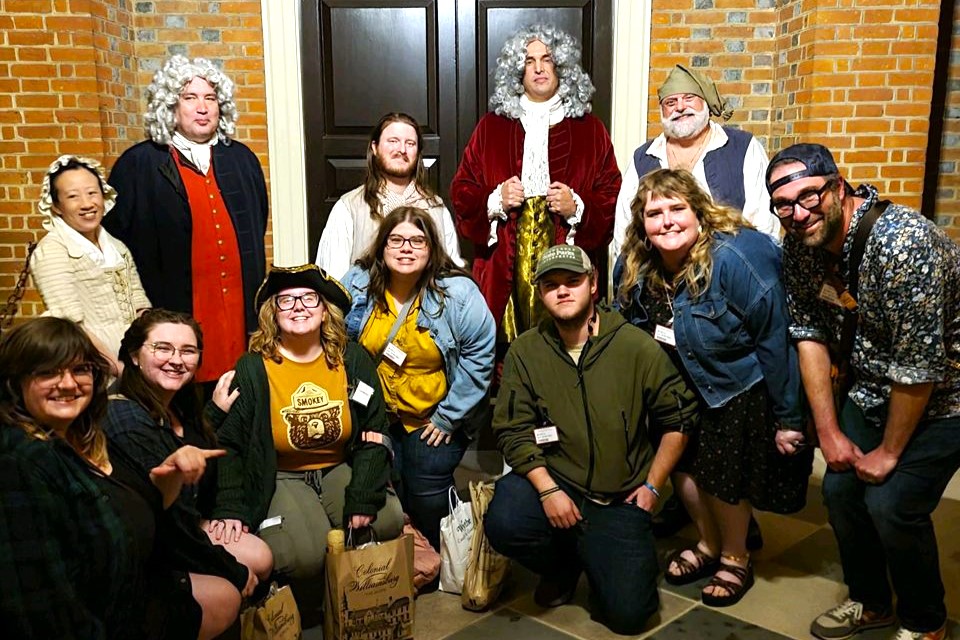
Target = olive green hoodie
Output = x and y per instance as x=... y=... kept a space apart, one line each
x=601 y=406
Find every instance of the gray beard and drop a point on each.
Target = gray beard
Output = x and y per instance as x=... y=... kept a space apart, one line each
x=686 y=128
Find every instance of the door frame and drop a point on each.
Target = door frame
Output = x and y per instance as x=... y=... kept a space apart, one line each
x=285 y=131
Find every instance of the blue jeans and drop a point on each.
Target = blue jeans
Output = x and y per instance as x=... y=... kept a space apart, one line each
x=888 y=526
x=426 y=475
x=613 y=544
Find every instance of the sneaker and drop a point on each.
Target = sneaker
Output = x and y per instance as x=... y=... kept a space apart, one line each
x=848 y=619
x=906 y=634
x=553 y=593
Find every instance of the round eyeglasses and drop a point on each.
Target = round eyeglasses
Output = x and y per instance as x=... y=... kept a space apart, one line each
x=784 y=209
x=164 y=351
x=82 y=373
x=287 y=302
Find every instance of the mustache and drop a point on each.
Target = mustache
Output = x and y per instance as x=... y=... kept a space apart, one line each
x=689 y=111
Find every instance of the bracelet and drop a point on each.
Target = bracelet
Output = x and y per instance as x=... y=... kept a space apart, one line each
x=652 y=489
x=547 y=493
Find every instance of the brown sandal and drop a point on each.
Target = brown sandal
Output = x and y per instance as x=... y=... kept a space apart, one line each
x=689 y=572
x=734 y=590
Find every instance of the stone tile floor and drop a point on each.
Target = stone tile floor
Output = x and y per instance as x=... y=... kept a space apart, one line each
x=797 y=576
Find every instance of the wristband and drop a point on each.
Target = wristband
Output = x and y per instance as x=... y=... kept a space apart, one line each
x=652 y=489
x=547 y=493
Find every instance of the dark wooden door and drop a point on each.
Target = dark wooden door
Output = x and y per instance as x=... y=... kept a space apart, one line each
x=432 y=59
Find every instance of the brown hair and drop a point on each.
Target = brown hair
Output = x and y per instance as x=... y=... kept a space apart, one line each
x=187 y=402
x=47 y=344
x=645 y=263
x=375 y=178
x=439 y=263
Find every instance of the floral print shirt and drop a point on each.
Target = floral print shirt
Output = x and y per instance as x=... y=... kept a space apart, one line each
x=909 y=303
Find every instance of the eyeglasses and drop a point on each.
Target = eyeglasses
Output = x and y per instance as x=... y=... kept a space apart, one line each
x=784 y=209
x=286 y=302
x=81 y=373
x=395 y=241
x=164 y=351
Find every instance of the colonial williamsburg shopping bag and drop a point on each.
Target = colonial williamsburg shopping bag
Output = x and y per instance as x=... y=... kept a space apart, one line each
x=276 y=618
x=369 y=592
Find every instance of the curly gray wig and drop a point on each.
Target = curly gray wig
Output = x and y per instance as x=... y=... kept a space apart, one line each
x=575 y=87
x=164 y=91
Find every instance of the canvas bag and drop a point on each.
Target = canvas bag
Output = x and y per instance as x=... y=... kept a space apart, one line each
x=486 y=570
x=276 y=617
x=456 y=534
x=369 y=592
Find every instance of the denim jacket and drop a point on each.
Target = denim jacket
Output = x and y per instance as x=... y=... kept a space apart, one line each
x=735 y=333
x=462 y=328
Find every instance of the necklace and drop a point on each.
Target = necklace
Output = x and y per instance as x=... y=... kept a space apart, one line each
x=691 y=162
x=667 y=290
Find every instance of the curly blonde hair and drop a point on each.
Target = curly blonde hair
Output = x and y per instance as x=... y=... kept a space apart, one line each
x=642 y=262
x=333 y=333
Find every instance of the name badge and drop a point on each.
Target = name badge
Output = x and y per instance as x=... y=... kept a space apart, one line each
x=275 y=521
x=546 y=435
x=829 y=294
x=665 y=335
x=394 y=354
x=362 y=393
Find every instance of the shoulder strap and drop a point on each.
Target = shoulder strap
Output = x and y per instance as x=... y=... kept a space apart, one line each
x=850 y=318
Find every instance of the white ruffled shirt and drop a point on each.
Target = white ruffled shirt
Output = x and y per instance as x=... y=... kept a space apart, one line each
x=197 y=152
x=537 y=119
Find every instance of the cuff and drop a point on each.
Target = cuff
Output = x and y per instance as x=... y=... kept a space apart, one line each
x=495 y=205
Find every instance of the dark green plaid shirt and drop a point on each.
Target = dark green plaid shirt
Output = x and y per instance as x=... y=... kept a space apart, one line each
x=64 y=567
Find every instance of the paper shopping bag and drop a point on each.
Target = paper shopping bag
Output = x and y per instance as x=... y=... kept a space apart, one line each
x=275 y=618
x=486 y=570
x=369 y=592
x=456 y=534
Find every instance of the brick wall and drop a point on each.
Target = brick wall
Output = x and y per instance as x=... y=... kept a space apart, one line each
x=72 y=74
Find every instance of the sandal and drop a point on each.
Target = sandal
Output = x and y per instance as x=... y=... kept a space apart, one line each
x=689 y=572
x=735 y=591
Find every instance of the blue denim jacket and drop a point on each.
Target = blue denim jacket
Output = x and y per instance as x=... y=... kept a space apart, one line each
x=461 y=327
x=735 y=333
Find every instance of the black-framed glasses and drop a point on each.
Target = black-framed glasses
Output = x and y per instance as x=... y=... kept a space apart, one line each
x=286 y=301
x=395 y=241
x=82 y=373
x=164 y=351
x=784 y=209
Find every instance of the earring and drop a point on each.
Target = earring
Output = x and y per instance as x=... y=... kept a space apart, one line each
x=646 y=243
x=699 y=228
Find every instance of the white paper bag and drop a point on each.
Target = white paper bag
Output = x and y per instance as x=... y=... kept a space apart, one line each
x=456 y=532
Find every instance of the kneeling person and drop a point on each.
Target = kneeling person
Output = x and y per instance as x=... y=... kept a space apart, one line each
x=577 y=394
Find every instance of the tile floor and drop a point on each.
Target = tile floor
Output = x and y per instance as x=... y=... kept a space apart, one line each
x=798 y=576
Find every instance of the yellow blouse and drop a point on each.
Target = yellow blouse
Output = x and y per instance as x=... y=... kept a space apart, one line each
x=413 y=389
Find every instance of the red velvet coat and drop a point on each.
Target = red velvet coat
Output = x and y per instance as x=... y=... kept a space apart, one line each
x=581 y=156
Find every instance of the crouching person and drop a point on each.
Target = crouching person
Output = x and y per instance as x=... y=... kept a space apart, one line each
x=305 y=437
x=577 y=396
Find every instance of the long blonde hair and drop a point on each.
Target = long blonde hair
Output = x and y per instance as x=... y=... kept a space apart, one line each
x=640 y=261
x=333 y=333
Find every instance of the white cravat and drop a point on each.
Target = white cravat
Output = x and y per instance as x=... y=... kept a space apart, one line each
x=537 y=119
x=390 y=200
x=197 y=152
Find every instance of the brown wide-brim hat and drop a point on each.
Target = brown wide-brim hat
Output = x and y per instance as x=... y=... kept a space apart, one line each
x=307 y=276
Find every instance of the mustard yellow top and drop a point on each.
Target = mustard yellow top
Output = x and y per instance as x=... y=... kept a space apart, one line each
x=413 y=389
x=309 y=413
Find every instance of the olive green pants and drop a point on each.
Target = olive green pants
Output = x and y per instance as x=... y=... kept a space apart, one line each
x=299 y=540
